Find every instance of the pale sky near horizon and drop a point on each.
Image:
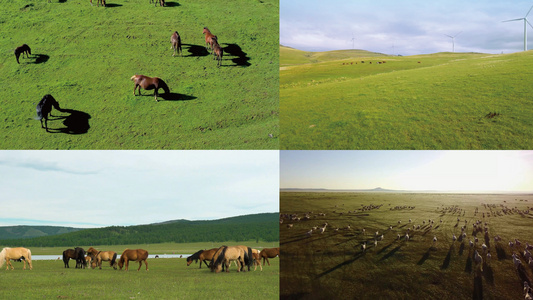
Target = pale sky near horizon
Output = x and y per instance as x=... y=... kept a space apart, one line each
x=405 y=27
x=469 y=171
x=104 y=188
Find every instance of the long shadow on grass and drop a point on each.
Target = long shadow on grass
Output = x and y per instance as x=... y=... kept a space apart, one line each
x=478 y=287
x=500 y=252
x=111 y=5
x=424 y=257
x=75 y=123
x=195 y=50
x=176 y=97
x=241 y=59
x=446 y=262
x=488 y=273
x=172 y=4
x=391 y=253
x=356 y=257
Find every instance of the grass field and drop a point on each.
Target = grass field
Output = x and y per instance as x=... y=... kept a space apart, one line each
x=332 y=265
x=167 y=278
x=85 y=55
x=437 y=101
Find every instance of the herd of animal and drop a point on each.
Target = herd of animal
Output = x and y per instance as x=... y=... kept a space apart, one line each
x=44 y=107
x=220 y=258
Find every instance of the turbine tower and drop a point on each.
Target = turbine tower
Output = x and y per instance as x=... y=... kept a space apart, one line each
x=353 y=41
x=525 y=26
x=453 y=40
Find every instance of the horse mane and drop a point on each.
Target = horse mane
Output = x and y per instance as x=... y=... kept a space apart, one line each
x=164 y=86
x=195 y=256
x=220 y=257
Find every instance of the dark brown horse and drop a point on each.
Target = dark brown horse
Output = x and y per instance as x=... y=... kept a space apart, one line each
x=202 y=255
x=139 y=255
x=217 y=53
x=78 y=254
x=208 y=38
x=44 y=107
x=21 y=50
x=175 y=39
x=268 y=253
x=149 y=83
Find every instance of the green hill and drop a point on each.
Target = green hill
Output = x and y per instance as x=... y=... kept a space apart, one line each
x=290 y=56
x=17 y=232
x=437 y=101
x=264 y=227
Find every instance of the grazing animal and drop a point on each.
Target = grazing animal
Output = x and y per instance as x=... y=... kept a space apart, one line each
x=363 y=246
x=110 y=256
x=269 y=253
x=478 y=259
x=149 y=83
x=257 y=259
x=21 y=50
x=78 y=254
x=225 y=255
x=309 y=233
x=516 y=261
x=139 y=255
x=406 y=237
x=19 y=253
x=98 y=2
x=175 y=39
x=489 y=256
x=44 y=107
x=202 y=255
x=434 y=240
x=218 y=53
x=454 y=238
x=208 y=38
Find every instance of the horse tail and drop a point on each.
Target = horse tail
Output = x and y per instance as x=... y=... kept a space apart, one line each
x=114 y=259
x=220 y=257
x=2 y=257
x=250 y=258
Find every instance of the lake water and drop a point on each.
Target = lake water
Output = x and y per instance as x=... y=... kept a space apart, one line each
x=56 y=257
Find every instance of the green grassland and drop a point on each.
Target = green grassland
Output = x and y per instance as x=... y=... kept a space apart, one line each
x=332 y=265
x=85 y=55
x=437 y=101
x=290 y=56
x=167 y=278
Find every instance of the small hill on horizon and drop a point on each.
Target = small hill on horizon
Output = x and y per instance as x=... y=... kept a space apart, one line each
x=291 y=56
x=28 y=231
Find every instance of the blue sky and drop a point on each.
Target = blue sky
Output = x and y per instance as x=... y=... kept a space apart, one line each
x=104 y=188
x=404 y=27
x=471 y=171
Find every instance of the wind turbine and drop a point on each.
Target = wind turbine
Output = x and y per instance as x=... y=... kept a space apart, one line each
x=453 y=40
x=353 y=41
x=525 y=26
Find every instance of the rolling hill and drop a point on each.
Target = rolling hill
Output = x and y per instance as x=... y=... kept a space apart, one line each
x=436 y=101
x=263 y=227
x=290 y=56
x=26 y=232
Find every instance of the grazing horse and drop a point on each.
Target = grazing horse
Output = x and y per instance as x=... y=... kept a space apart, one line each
x=78 y=254
x=98 y=2
x=139 y=255
x=149 y=83
x=208 y=38
x=110 y=256
x=269 y=253
x=225 y=255
x=21 y=50
x=44 y=107
x=217 y=53
x=175 y=39
x=19 y=253
x=202 y=255
x=248 y=257
x=257 y=259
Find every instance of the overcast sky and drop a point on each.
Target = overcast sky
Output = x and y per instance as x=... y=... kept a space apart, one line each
x=405 y=27
x=469 y=171
x=104 y=188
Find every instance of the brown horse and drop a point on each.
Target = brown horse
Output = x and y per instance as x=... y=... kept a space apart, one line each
x=257 y=259
x=19 y=253
x=208 y=38
x=44 y=107
x=78 y=254
x=139 y=255
x=175 y=39
x=21 y=50
x=225 y=255
x=217 y=53
x=110 y=256
x=98 y=2
x=149 y=83
x=269 y=253
x=202 y=255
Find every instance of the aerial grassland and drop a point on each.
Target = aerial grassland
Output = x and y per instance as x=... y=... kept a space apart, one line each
x=334 y=265
x=437 y=101
x=85 y=55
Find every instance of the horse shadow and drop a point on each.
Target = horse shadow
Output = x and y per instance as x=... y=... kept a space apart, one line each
x=172 y=4
x=356 y=257
x=241 y=57
x=195 y=50
x=111 y=5
x=424 y=257
x=391 y=253
x=75 y=123
x=41 y=58
x=176 y=97
x=478 y=287
x=446 y=262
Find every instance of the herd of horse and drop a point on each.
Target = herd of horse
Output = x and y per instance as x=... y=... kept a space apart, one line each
x=220 y=258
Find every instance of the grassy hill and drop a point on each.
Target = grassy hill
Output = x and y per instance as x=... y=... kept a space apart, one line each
x=263 y=227
x=85 y=55
x=290 y=56
x=15 y=232
x=437 y=101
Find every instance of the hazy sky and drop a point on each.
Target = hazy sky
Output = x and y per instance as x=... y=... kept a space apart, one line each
x=404 y=27
x=408 y=170
x=103 y=188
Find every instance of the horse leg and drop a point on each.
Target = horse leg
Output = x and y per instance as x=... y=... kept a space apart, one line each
x=140 y=265
x=146 y=264
x=155 y=94
x=137 y=85
x=267 y=261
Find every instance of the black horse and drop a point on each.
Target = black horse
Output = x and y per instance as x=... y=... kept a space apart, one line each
x=21 y=50
x=78 y=254
x=44 y=107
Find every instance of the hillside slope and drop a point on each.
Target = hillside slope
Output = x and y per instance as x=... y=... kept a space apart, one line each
x=290 y=56
x=16 y=232
x=263 y=227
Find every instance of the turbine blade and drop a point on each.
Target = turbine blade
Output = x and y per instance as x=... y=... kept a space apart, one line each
x=458 y=34
x=529 y=24
x=513 y=20
x=529 y=11
x=448 y=36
